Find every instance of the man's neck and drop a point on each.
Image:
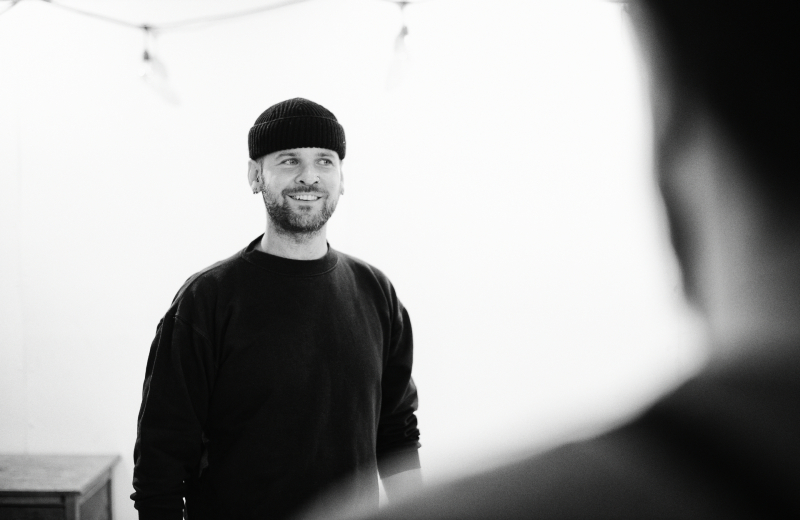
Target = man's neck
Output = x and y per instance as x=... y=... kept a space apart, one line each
x=757 y=298
x=743 y=257
x=294 y=246
x=749 y=259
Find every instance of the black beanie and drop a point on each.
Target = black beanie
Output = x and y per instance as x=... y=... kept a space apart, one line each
x=295 y=123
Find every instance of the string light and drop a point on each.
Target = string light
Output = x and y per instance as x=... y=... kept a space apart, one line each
x=399 y=65
x=154 y=72
x=11 y=4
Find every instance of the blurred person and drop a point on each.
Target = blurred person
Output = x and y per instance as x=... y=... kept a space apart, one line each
x=285 y=368
x=725 y=443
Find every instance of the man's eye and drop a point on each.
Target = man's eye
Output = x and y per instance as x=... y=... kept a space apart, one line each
x=325 y=161
x=290 y=162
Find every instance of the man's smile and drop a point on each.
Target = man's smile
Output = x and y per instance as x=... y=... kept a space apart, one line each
x=305 y=197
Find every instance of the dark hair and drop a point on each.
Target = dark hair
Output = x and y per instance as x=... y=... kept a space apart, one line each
x=740 y=60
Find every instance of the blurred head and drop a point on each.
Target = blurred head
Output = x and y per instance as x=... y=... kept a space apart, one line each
x=728 y=67
x=296 y=150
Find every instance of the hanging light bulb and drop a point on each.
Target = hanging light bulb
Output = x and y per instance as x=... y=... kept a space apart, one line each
x=153 y=71
x=399 y=65
x=400 y=48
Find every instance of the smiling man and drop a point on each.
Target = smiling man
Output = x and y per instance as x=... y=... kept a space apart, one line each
x=283 y=373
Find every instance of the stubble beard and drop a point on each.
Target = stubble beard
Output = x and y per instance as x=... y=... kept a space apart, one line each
x=300 y=225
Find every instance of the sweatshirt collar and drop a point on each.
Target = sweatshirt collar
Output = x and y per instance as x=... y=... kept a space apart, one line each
x=289 y=266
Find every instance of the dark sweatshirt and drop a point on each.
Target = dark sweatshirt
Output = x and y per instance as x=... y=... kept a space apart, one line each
x=271 y=379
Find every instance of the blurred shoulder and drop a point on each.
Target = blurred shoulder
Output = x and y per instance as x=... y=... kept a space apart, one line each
x=695 y=453
x=591 y=479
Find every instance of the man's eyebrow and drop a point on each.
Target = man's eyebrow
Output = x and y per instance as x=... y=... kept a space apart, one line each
x=324 y=154
x=286 y=154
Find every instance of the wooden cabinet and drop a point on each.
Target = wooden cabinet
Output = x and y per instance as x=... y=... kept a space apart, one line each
x=50 y=487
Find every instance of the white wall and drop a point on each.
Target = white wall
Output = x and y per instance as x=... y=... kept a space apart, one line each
x=504 y=187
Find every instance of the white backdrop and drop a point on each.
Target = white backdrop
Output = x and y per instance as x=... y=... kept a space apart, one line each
x=504 y=186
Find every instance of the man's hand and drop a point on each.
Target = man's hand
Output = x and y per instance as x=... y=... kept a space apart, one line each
x=402 y=485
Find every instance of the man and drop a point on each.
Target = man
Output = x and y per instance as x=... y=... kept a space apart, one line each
x=726 y=444
x=286 y=368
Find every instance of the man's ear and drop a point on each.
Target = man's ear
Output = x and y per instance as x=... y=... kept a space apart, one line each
x=255 y=175
x=341 y=181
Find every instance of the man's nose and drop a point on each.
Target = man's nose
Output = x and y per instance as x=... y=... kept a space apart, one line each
x=308 y=176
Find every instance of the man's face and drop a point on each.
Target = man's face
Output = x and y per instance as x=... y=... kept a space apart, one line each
x=301 y=187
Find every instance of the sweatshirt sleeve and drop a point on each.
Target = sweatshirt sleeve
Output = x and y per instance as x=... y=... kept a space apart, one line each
x=174 y=407
x=398 y=435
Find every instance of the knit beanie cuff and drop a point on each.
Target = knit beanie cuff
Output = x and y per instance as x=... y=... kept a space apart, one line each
x=295 y=131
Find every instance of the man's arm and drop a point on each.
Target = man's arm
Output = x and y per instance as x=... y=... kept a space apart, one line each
x=169 y=434
x=398 y=435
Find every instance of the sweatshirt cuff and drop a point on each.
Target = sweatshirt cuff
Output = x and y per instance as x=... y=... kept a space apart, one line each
x=397 y=462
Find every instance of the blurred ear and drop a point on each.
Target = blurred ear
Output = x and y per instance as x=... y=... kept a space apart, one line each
x=341 y=181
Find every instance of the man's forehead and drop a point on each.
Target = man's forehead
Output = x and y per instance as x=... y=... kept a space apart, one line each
x=294 y=152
